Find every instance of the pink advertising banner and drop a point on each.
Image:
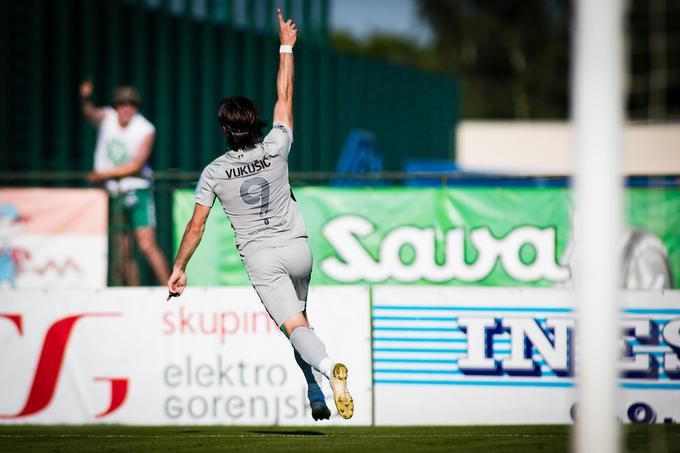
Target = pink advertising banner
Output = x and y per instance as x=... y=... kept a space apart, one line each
x=53 y=238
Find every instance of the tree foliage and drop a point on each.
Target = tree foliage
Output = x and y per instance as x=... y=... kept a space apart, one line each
x=512 y=55
x=391 y=47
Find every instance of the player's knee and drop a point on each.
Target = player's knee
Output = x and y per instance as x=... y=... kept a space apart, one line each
x=295 y=322
x=292 y=329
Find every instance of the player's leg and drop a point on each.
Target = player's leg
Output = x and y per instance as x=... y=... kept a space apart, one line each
x=317 y=400
x=270 y=272
x=307 y=343
x=298 y=262
x=313 y=351
x=314 y=378
x=143 y=216
x=315 y=395
x=278 y=297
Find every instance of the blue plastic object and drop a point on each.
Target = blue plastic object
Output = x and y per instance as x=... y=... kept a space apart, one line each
x=359 y=156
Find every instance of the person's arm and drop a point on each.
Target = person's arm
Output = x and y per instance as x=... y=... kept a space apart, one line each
x=131 y=168
x=192 y=237
x=283 y=110
x=91 y=113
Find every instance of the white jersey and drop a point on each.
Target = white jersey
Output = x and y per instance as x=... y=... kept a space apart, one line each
x=118 y=145
x=255 y=193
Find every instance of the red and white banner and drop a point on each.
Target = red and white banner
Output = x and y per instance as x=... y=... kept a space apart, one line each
x=212 y=356
x=53 y=238
x=440 y=356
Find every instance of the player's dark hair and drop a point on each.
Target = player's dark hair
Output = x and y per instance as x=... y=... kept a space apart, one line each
x=242 y=122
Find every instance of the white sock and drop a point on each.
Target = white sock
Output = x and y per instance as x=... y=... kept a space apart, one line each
x=326 y=367
x=311 y=349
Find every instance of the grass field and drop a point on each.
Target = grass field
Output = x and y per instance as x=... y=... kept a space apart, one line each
x=489 y=439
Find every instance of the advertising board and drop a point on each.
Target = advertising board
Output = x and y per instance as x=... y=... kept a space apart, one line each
x=509 y=356
x=212 y=356
x=453 y=236
x=53 y=238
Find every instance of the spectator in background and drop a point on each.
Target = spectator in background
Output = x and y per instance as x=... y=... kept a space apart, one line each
x=124 y=143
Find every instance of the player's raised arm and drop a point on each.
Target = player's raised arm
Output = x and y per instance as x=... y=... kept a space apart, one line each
x=91 y=113
x=283 y=110
x=192 y=237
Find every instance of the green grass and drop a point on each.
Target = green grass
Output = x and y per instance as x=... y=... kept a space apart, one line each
x=488 y=439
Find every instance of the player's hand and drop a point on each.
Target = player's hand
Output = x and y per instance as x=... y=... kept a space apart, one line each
x=287 y=30
x=176 y=283
x=86 y=88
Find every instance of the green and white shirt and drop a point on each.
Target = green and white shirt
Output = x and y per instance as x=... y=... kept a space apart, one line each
x=118 y=145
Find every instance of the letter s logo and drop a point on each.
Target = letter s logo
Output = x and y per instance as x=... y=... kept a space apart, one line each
x=50 y=363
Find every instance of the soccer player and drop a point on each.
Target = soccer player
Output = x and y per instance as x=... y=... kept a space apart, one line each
x=251 y=181
x=124 y=145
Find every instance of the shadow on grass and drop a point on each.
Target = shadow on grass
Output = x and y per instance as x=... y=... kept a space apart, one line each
x=290 y=433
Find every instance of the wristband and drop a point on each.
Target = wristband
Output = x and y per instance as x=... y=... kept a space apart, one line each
x=285 y=49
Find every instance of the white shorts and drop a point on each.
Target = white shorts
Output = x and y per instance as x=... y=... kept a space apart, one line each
x=281 y=276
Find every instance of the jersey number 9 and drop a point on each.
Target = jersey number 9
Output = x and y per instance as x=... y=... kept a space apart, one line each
x=256 y=197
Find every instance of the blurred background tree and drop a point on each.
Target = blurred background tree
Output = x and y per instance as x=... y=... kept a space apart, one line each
x=654 y=60
x=512 y=56
x=392 y=47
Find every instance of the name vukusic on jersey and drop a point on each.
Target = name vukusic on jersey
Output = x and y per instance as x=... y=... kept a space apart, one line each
x=248 y=169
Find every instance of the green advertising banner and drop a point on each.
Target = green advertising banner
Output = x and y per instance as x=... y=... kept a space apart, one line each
x=490 y=236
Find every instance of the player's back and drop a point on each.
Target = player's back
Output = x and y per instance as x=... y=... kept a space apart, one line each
x=255 y=193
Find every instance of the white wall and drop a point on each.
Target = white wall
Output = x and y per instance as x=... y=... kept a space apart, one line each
x=546 y=147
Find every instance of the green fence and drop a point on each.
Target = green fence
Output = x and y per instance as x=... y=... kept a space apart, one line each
x=183 y=65
x=183 y=62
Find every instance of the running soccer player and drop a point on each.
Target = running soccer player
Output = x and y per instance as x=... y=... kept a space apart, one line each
x=251 y=181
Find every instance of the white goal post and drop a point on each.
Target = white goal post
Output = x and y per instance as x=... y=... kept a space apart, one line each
x=597 y=109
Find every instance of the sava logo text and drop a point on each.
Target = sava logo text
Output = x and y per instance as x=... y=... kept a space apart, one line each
x=353 y=263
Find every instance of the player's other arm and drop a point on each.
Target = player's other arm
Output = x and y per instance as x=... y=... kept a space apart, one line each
x=283 y=109
x=91 y=113
x=192 y=237
x=131 y=168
